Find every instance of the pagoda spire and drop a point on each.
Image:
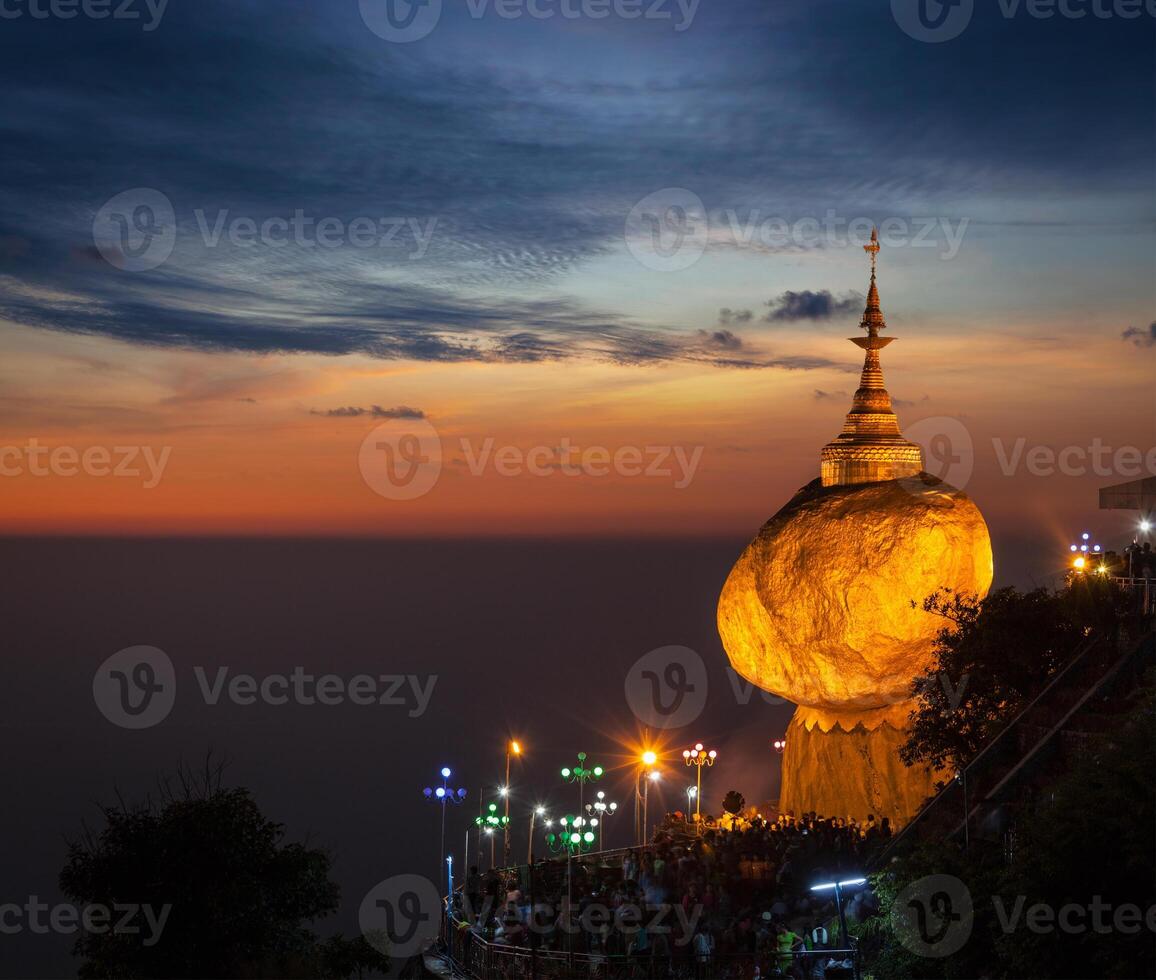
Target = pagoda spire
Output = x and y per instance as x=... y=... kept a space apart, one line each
x=870 y=448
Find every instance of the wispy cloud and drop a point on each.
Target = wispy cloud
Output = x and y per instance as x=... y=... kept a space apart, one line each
x=374 y=411
x=1141 y=337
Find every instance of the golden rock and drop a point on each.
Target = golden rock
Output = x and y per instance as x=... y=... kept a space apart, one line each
x=819 y=607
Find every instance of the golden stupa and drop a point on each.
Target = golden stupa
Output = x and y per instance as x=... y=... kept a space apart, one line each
x=824 y=607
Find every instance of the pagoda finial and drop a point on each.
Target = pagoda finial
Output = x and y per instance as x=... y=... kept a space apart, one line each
x=872 y=248
x=870 y=447
x=872 y=320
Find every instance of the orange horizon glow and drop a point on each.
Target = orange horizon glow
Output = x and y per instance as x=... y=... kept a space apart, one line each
x=249 y=456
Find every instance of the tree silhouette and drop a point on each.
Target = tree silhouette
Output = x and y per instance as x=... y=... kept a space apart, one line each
x=734 y=802
x=239 y=895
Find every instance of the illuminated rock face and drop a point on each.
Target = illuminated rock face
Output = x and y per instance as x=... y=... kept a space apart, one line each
x=840 y=766
x=818 y=608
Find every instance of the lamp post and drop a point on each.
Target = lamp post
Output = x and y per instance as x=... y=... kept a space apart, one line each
x=538 y=811
x=698 y=757
x=512 y=748
x=651 y=777
x=839 y=886
x=577 y=838
x=647 y=762
x=491 y=822
x=581 y=775
x=443 y=795
x=576 y=835
x=601 y=810
x=1083 y=551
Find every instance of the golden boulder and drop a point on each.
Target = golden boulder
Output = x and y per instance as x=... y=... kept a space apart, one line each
x=823 y=607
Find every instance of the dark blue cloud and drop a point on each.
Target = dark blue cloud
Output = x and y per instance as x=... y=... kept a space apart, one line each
x=807 y=304
x=525 y=144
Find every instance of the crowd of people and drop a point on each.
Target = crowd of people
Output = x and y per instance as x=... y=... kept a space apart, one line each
x=1139 y=561
x=717 y=901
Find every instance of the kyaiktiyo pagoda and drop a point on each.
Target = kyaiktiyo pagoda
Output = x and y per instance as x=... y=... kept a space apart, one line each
x=819 y=607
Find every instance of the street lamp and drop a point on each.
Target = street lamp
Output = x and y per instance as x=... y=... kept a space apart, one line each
x=512 y=748
x=1083 y=550
x=780 y=745
x=443 y=795
x=601 y=809
x=581 y=775
x=648 y=760
x=490 y=822
x=839 y=886
x=698 y=757
x=691 y=796
x=651 y=777
x=538 y=811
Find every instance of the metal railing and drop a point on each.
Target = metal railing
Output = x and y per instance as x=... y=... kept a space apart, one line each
x=965 y=805
x=482 y=960
x=1142 y=589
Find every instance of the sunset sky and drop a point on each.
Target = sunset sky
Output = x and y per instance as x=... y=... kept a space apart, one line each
x=515 y=300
